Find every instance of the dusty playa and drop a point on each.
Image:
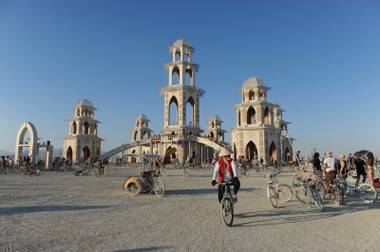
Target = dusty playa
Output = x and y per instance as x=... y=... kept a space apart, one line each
x=66 y=213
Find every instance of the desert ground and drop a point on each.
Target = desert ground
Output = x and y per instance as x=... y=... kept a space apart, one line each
x=62 y=212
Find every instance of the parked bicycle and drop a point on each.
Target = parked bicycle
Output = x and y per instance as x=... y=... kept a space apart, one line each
x=277 y=192
x=309 y=194
x=227 y=204
x=365 y=192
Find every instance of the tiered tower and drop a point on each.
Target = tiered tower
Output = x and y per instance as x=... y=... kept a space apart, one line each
x=214 y=130
x=82 y=143
x=181 y=103
x=141 y=130
x=259 y=124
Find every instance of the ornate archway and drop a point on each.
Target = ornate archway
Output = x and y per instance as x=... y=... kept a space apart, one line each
x=272 y=153
x=86 y=153
x=27 y=127
x=69 y=154
x=250 y=151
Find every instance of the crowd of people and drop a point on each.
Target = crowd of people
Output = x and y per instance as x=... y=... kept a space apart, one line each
x=333 y=167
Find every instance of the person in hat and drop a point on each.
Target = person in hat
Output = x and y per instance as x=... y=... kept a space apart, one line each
x=225 y=170
x=330 y=172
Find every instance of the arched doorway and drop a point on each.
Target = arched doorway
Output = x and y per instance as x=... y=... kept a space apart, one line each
x=272 y=153
x=69 y=154
x=86 y=153
x=250 y=151
x=170 y=155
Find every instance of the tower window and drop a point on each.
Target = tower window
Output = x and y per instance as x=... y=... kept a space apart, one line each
x=175 y=75
x=189 y=77
x=85 y=128
x=251 y=95
x=251 y=116
x=173 y=111
x=177 y=55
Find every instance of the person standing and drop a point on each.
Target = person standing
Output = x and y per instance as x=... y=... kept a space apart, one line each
x=317 y=169
x=225 y=170
x=360 y=170
x=342 y=165
x=330 y=172
x=370 y=162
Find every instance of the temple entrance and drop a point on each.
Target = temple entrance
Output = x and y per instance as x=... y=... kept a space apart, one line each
x=69 y=154
x=170 y=155
x=272 y=153
x=251 y=151
x=86 y=153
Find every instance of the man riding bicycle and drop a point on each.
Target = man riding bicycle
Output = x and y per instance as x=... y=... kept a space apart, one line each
x=225 y=170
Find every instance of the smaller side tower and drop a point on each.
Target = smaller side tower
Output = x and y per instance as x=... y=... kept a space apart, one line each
x=141 y=130
x=82 y=143
x=214 y=130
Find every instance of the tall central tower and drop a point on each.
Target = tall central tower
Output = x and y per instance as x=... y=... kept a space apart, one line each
x=181 y=103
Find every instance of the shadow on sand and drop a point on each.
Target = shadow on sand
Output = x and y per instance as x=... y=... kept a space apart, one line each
x=144 y=249
x=200 y=191
x=7 y=211
x=287 y=214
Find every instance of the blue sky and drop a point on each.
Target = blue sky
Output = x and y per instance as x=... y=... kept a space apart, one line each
x=321 y=58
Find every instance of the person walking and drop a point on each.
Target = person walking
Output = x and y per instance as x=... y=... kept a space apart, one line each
x=225 y=170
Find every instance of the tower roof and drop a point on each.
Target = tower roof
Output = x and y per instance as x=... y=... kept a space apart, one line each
x=85 y=103
x=181 y=43
x=142 y=117
x=214 y=118
x=254 y=82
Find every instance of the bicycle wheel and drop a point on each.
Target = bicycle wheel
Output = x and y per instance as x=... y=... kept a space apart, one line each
x=227 y=211
x=285 y=193
x=132 y=188
x=303 y=195
x=317 y=199
x=367 y=193
x=159 y=187
x=273 y=196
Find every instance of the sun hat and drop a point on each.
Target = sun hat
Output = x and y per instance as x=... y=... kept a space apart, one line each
x=224 y=152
